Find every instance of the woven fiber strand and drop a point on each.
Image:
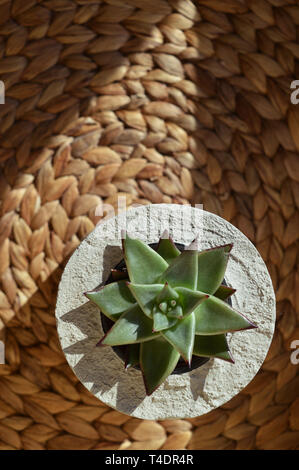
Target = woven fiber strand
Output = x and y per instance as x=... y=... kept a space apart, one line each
x=158 y=101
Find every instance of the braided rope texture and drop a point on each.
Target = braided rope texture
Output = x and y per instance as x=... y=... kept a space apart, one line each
x=158 y=101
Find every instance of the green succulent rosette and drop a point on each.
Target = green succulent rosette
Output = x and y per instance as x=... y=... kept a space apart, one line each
x=172 y=306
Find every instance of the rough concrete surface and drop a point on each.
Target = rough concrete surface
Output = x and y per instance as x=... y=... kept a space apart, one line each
x=100 y=369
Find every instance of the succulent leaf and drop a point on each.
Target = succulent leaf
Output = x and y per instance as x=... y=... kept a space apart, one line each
x=162 y=306
x=145 y=295
x=158 y=358
x=212 y=346
x=215 y=316
x=167 y=293
x=224 y=292
x=211 y=268
x=182 y=272
x=181 y=336
x=167 y=250
x=162 y=321
x=176 y=312
x=190 y=299
x=143 y=263
x=132 y=353
x=132 y=327
x=113 y=299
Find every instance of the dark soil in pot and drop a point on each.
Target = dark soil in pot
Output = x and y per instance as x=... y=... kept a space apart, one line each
x=121 y=351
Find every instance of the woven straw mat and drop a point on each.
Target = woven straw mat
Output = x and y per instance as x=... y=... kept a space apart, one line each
x=160 y=101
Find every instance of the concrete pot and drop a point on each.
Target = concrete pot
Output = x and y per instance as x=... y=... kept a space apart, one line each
x=189 y=394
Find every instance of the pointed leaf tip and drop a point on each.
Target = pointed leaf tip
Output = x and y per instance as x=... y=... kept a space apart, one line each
x=214 y=316
x=212 y=346
x=231 y=358
x=113 y=299
x=193 y=246
x=252 y=325
x=167 y=249
x=228 y=247
x=165 y=234
x=100 y=343
x=224 y=292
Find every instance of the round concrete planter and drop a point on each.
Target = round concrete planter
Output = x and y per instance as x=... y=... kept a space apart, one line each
x=190 y=394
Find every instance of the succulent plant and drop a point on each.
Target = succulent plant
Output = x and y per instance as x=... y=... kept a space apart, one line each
x=172 y=306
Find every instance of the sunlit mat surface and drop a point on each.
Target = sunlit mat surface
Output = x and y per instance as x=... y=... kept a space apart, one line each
x=158 y=101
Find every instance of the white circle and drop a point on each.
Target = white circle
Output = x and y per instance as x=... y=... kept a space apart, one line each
x=193 y=393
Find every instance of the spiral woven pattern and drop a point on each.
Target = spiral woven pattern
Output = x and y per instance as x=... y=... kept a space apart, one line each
x=159 y=101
